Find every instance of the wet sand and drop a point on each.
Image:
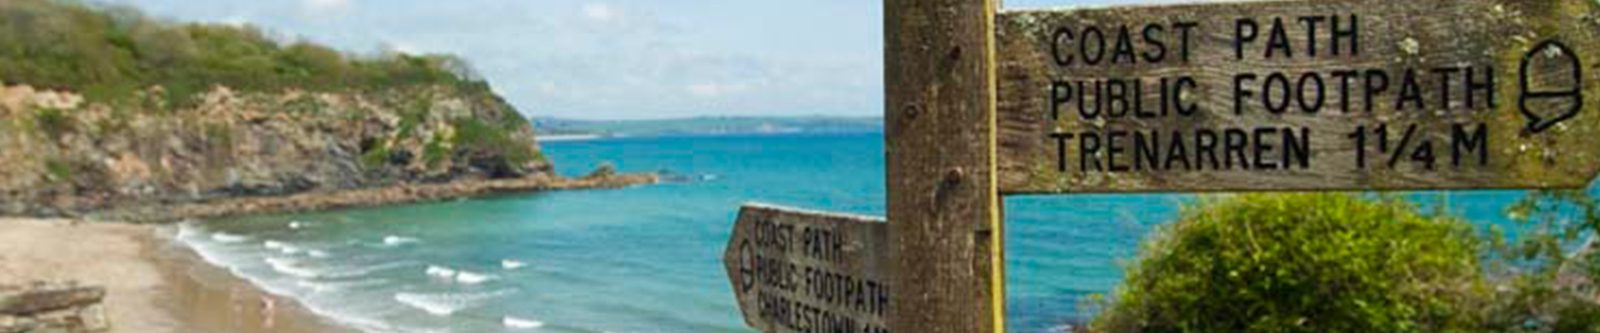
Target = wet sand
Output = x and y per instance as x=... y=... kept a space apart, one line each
x=152 y=284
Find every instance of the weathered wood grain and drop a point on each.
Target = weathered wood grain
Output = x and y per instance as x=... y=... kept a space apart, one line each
x=798 y=271
x=1394 y=35
x=943 y=202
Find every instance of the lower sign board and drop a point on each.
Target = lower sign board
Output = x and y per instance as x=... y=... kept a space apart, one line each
x=1300 y=95
x=800 y=271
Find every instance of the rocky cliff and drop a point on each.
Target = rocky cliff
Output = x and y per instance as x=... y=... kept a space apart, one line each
x=107 y=112
x=65 y=156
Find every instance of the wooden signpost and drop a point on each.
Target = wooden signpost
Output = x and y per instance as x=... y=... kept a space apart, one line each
x=796 y=271
x=1300 y=95
x=1222 y=96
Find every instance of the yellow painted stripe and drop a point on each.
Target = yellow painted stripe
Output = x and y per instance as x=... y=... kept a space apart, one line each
x=997 y=250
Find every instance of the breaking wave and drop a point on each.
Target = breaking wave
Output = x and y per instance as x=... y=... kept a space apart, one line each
x=392 y=240
x=339 y=285
x=290 y=266
x=445 y=304
x=514 y=322
x=465 y=277
x=223 y=237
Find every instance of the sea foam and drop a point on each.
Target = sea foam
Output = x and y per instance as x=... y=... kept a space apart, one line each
x=365 y=270
x=466 y=277
x=339 y=286
x=459 y=275
x=514 y=322
x=392 y=240
x=440 y=272
x=445 y=304
x=290 y=267
x=223 y=237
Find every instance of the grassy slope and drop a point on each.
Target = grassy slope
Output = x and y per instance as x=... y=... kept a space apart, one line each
x=108 y=53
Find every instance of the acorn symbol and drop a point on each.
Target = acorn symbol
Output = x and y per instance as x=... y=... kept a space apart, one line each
x=1552 y=86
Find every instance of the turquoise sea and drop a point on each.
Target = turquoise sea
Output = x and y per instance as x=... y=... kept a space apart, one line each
x=647 y=259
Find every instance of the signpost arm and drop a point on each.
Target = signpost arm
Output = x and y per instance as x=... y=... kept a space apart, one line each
x=944 y=207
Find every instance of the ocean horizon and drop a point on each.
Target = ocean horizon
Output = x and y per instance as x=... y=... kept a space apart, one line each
x=648 y=258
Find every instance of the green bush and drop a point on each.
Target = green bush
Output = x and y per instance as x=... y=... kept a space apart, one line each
x=54 y=122
x=1545 y=266
x=1302 y=263
x=58 y=170
x=476 y=137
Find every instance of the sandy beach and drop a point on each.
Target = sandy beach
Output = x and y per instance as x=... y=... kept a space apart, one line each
x=153 y=284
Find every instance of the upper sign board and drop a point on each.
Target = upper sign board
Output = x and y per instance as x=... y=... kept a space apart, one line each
x=1300 y=95
x=796 y=271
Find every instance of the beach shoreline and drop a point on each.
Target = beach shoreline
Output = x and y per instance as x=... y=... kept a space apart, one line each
x=153 y=283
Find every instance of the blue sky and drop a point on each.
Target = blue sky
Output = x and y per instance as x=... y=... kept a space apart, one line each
x=613 y=59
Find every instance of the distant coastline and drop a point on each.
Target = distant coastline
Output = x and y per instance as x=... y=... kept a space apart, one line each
x=570 y=137
x=563 y=129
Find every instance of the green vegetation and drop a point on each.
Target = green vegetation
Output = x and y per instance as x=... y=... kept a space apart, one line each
x=377 y=156
x=220 y=136
x=58 y=170
x=435 y=152
x=1302 y=263
x=1544 y=261
x=53 y=122
x=1351 y=263
x=477 y=138
x=112 y=52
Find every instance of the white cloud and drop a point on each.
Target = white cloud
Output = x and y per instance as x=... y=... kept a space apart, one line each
x=396 y=45
x=549 y=88
x=323 y=7
x=714 y=89
x=600 y=12
x=236 y=21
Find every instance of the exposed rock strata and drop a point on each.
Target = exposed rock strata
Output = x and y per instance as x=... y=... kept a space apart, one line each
x=225 y=152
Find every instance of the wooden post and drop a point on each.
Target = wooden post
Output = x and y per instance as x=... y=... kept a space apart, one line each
x=944 y=205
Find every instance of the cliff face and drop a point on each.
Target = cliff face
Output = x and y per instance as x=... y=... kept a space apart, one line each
x=108 y=113
x=60 y=155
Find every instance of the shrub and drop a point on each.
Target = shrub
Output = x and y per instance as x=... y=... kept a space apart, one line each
x=376 y=157
x=54 y=122
x=476 y=137
x=435 y=152
x=58 y=170
x=1551 y=267
x=1302 y=263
